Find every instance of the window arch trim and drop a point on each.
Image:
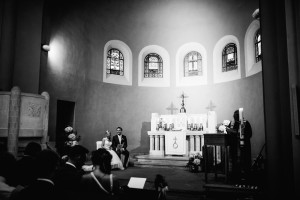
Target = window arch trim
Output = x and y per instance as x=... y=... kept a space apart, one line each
x=182 y=51
x=154 y=82
x=127 y=55
x=251 y=66
x=218 y=75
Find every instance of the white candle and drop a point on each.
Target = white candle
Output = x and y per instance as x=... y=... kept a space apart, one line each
x=241 y=114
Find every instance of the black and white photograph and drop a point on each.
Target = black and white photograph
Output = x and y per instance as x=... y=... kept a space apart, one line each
x=149 y=99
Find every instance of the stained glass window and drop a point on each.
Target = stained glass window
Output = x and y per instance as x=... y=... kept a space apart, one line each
x=193 y=64
x=115 y=62
x=257 y=43
x=153 y=66
x=229 y=58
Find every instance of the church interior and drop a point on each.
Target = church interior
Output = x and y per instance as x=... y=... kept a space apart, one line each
x=54 y=55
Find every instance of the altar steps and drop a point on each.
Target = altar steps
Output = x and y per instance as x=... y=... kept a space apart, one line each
x=160 y=161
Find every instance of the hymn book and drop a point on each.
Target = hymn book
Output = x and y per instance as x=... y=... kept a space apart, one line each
x=136 y=182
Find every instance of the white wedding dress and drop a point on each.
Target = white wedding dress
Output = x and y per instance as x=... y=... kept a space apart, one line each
x=115 y=161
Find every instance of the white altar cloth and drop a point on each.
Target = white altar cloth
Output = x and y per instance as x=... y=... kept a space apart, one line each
x=175 y=142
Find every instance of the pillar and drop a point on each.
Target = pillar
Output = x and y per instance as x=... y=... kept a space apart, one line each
x=192 y=142
x=45 y=118
x=161 y=143
x=197 y=143
x=14 y=120
x=151 y=143
x=156 y=142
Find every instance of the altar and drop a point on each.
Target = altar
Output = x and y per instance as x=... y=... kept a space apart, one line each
x=180 y=134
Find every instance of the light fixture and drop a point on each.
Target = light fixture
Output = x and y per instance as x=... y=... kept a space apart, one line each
x=256 y=14
x=46 y=47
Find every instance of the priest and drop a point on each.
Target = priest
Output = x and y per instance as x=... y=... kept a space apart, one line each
x=240 y=150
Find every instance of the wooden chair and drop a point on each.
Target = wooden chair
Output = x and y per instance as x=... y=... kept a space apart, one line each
x=99 y=144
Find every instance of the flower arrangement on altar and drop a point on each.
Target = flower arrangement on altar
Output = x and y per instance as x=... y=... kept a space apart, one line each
x=72 y=138
x=195 y=162
x=221 y=128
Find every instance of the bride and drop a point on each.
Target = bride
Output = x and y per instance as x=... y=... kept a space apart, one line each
x=106 y=144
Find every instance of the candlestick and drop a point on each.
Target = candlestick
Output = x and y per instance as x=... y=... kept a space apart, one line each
x=241 y=115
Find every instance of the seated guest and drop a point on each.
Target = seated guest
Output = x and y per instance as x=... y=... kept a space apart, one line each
x=26 y=172
x=106 y=144
x=100 y=182
x=43 y=187
x=119 y=145
x=161 y=187
x=67 y=177
x=7 y=170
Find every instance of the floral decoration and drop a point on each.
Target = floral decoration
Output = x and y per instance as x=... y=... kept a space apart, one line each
x=195 y=162
x=221 y=127
x=72 y=138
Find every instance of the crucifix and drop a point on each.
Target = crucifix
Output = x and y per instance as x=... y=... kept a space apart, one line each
x=172 y=108
x=211 y=106
x=182 y=109
x=175 y=145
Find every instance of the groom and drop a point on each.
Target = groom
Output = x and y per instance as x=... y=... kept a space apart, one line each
x=119 y=145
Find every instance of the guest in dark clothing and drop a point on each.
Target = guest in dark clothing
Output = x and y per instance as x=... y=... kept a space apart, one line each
x=43 y=187
x=240 y=150
x=32 y=149
x=7 y=170
x=161 y=187
x=67 y=178
x=100 y=182
x=26 y=166
x=3 y=147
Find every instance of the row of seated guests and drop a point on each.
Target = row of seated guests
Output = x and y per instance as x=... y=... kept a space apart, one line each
x=53 y=178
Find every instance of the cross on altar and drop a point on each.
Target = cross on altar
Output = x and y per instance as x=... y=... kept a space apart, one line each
x=172 y=108
x=182 y=109
x=211 y=106
x=175 y=145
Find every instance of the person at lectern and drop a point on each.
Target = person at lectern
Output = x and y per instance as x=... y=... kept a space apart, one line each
x=119 y=145
x=240 y=150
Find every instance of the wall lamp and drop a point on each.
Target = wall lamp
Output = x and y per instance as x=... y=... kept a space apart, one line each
x=256 y=14
x=46 y=47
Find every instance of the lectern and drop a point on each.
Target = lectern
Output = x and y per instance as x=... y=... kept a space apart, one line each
x=218 y=139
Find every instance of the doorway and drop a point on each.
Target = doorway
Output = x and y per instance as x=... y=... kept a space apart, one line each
x=65 y=116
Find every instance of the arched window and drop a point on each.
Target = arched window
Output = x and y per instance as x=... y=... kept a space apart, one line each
x=257 y=43
x=193 y=64
x=229 y=58
x=253 y=53
x=115 y=62
x=153 y=66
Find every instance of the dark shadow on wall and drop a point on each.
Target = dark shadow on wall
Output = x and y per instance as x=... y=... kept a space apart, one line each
x=144 y=142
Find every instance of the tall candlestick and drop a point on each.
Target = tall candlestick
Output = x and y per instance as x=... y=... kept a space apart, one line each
x=241 y=115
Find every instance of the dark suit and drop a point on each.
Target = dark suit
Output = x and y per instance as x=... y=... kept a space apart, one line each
x=240 y=154
x=116 y=142
x=39 y=189
x=67 y=181
x=26 y=170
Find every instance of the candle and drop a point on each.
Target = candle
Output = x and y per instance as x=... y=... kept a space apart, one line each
x=241 y=114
